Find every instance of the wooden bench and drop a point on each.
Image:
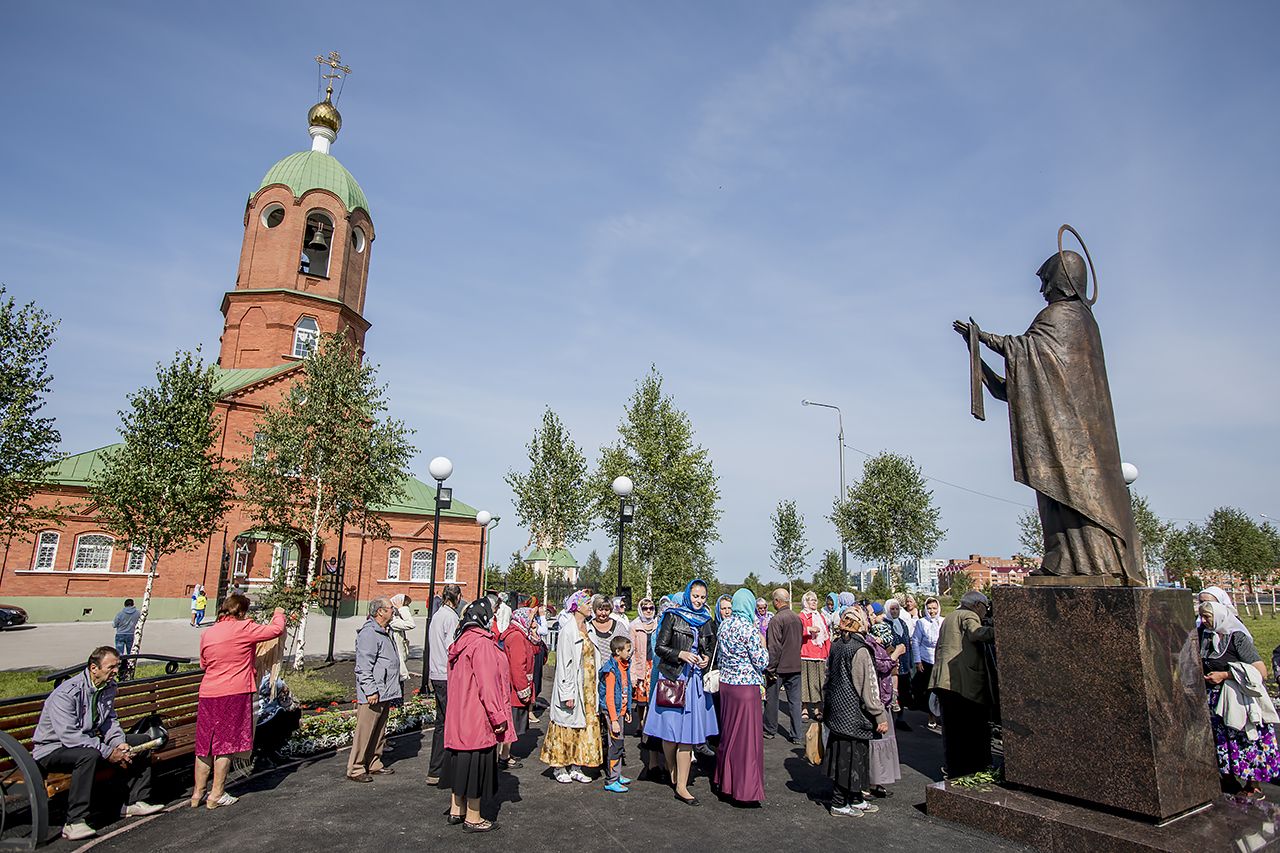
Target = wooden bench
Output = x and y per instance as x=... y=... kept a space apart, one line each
x=172 y=697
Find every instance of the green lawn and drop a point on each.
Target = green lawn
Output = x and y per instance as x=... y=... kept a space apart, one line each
x=27 y=683
x=310 y=688
x=1266 y=634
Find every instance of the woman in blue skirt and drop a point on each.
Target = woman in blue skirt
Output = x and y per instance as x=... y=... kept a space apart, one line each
x=682 y=653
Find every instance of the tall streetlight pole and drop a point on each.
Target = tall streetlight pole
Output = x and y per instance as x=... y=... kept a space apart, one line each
x=483 y=517
x=440 y=468
x=844 y=552
x=622 y=487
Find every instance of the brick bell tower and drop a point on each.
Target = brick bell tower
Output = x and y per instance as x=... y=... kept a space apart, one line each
x=304 y=263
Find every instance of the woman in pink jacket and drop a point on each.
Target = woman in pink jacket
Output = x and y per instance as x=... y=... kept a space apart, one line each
x=224 y=715
x=477 y=718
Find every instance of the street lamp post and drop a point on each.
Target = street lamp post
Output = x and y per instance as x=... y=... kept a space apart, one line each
x=343 y=508
x=440 y=468
x=483 y=517
x=844 y=552
x=622 y=487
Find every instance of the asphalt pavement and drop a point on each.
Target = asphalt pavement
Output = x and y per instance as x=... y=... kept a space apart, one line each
x=311 y=806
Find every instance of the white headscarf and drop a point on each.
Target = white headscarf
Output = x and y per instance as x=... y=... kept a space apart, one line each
x=1225 y=623
x=1220 y=595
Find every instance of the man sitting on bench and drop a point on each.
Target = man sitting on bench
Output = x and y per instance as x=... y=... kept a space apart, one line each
x=78 y=729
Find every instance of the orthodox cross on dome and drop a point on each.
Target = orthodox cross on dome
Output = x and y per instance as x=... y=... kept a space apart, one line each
x=337 y=71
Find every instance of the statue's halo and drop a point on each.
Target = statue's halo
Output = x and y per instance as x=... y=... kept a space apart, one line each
x=1093 y=272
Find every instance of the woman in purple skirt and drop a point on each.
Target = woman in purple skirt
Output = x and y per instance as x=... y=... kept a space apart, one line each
x=743 y=657
x=682 y=653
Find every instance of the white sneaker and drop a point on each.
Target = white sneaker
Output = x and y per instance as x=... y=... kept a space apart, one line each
x=846 y=811
x=142 y=808
x=78 y=830
x=578 y=776
x=562 y=776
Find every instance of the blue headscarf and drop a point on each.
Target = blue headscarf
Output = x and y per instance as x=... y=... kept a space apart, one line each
x=846 y=599
x=695 y=618
x=744 y=605
x=725 y=597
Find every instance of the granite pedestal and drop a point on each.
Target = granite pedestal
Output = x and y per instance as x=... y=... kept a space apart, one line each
x=1105 y=720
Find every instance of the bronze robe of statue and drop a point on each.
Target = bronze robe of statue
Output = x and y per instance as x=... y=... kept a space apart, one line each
x=1063 y=431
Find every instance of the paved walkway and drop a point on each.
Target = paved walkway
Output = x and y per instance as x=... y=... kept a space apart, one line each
x=311 y=807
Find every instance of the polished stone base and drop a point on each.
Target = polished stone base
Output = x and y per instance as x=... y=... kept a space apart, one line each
x=1227 y=824
x=1102 y=697
x=1072 y=580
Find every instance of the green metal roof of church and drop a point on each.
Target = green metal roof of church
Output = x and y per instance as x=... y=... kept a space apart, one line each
x=230 y=380
x=312 y=170
x=418 y=498
x=560 y=558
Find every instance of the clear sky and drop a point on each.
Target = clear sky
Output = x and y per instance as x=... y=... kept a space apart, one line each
x=767 y=200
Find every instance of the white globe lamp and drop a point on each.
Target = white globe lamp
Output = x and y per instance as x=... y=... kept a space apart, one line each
x=622 y=486
x=483 y=517
x=440 y=468
x=1130 y=472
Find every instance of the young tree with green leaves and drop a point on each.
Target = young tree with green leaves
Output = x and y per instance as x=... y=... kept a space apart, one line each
x=552 y=500
x=752 y=582
x=1182 y=555
x=879 y=588
x=961 y=582
x=326 y=450
x=888 y=514
x=676 y=492
x=831 y=576
x=591 y=572
x=1234 y=544
x=519 y=576
x=790 y=549
x=28 y=442
x=1031 y=535
x=165 y=488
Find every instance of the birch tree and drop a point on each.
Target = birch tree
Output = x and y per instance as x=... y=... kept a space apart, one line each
x=28 y=441
x=790 y=549
x=325 y=448
x=551 y=499
x=165 y=488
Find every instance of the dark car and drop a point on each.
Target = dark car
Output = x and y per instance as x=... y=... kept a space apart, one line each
x=11 y=616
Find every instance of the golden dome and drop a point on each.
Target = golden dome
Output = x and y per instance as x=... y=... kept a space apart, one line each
x=325 y=114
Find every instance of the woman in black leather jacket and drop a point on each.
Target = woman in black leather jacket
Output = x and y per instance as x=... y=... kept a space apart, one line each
x=683 y=652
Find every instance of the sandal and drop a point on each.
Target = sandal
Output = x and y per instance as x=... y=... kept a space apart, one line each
x=196 y=801
x=482 y=826
x=224 y=800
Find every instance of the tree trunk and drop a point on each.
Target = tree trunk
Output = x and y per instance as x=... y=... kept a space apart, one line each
x=648 y=582
x=300 y=648
x=146 y=606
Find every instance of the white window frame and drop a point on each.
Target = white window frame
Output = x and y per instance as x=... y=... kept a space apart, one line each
x=305 y=340
x=450 y=566
x=393 y=564
x=240 y=568
x=138 y=556
x=80 y=540
x=414 y=565
x=43 y=541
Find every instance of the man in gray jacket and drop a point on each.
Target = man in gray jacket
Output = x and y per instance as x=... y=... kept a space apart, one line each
x=377 y=689
x=78 y=730
x=125 y=623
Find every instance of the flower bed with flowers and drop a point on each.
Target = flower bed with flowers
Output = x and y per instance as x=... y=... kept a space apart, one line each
x=334 y=729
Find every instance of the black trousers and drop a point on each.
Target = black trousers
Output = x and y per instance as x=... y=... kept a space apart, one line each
x=966 y=734
x=791 y=683
x=439 y=689
x=82 y=763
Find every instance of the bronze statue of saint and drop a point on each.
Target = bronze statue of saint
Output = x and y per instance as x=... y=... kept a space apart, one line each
x=1063 y=426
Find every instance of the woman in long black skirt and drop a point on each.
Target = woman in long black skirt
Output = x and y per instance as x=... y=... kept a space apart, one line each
x=853 y=713
x=481 y=678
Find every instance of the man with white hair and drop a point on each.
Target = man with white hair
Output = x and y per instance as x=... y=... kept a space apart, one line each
x=960 y=681
x=377 y=689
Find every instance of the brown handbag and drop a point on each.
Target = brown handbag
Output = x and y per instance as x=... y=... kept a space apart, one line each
x=670 y=692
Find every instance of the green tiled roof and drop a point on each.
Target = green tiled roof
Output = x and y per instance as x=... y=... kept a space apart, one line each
x=560 y=558
x=229 y=380
x=418 y=499
x=76 y=470
x=311 y=170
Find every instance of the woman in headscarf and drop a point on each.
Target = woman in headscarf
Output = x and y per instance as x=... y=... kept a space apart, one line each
x=517 y=644
x=651 y=754
x=401 y=624
x=683 y=654
x=742 y=656
x=831 y=611
x=1220 y=595
x=477 y=718
x=763 y=617
x=573 y=735
x=814 y=646
x=885 y=769
x=924 y=640
x=853 y=713
x=642 y=628
x=541 y=633
x=1240 y=711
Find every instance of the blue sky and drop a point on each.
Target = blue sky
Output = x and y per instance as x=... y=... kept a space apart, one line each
x=769 y=201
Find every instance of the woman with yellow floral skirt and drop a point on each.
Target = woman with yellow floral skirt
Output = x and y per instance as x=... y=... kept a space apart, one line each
x=573 y=733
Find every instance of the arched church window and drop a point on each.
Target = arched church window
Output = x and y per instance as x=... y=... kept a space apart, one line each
x=358 y=239
x=317 y=241
x=305 y=335
x=93 y=553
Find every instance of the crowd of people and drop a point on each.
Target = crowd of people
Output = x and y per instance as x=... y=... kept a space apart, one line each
x=686 y=677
